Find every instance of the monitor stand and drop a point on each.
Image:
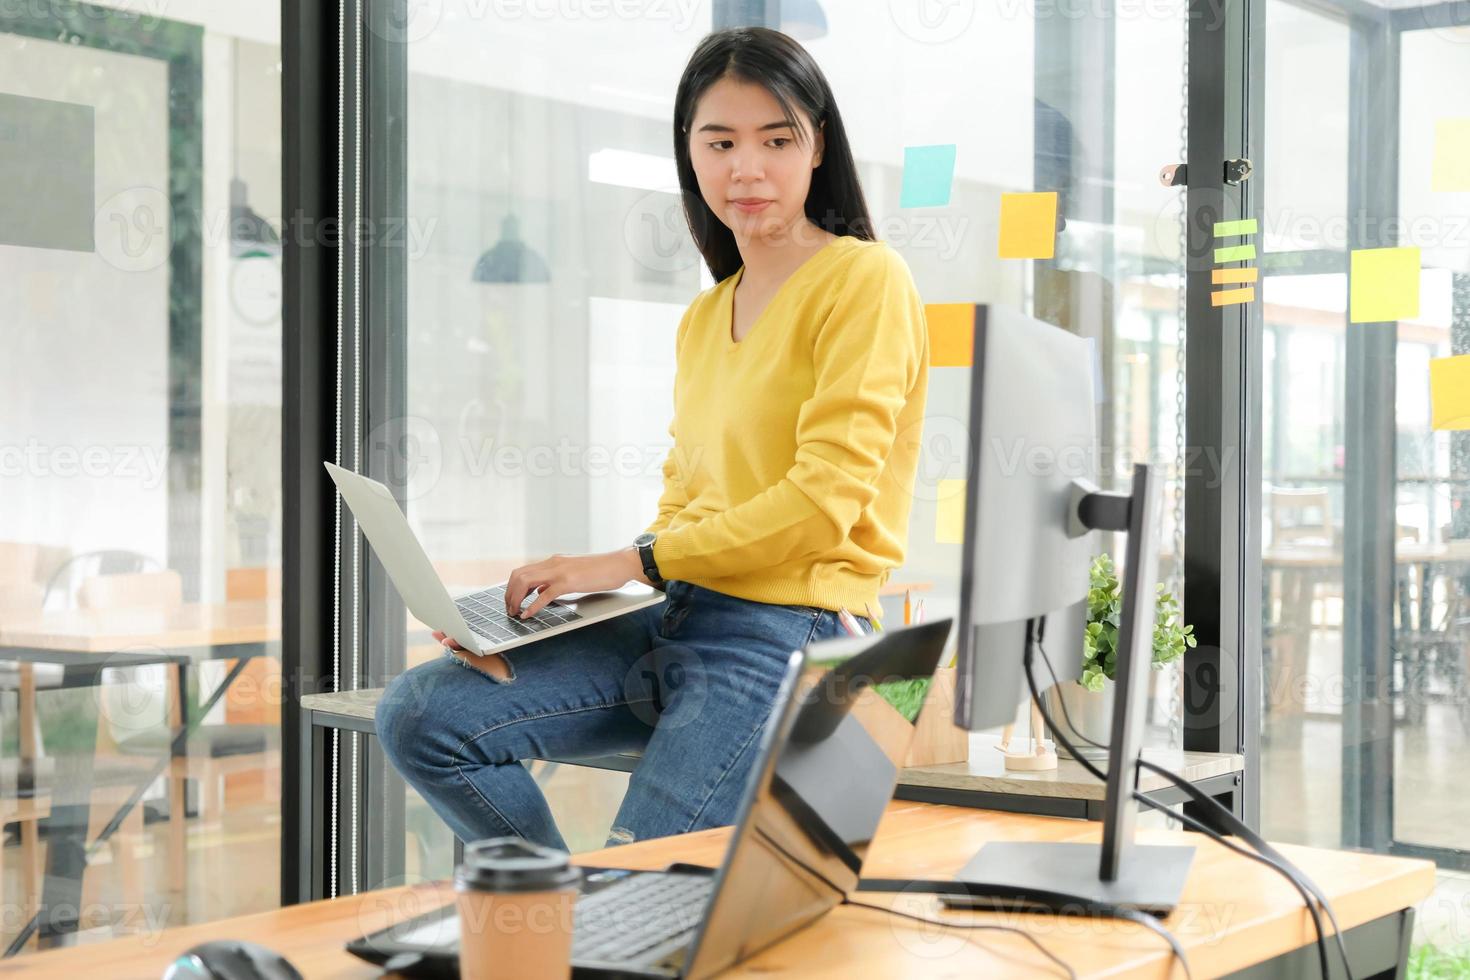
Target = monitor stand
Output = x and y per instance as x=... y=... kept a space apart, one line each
x=1061 y=877
x=1054 y=876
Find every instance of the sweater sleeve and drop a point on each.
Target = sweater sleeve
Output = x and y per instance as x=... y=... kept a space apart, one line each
x=866 y=359
x=675 y=496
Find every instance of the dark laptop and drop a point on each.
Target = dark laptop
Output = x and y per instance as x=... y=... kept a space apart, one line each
x=818 y=789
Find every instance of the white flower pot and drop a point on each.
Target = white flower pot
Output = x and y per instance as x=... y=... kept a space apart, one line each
x=1090 y=712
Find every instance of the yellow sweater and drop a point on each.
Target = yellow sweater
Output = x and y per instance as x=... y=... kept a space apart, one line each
x=792 y=472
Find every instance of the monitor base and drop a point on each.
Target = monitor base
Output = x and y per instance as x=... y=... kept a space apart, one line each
x=1056 y=877
x=1021 y=876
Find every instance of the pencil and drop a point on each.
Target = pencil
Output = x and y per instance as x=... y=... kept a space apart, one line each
x=908 y=606
x=877 y=623
x=853 y=627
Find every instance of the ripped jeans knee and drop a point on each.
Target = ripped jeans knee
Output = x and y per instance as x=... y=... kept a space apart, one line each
x=503 y=672
x=619 y=836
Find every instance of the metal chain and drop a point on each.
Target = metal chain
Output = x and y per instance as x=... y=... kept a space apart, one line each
x=1176 y=672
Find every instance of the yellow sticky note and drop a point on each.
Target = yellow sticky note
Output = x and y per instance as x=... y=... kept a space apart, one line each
x=1028 y=225
x=951 y=334
x=1233 y=297
x=949 y=527
x=1451 y=171
x=1384 y=285
x=1449 y=393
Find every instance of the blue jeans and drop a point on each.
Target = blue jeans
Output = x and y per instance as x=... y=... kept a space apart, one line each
x=689 y=682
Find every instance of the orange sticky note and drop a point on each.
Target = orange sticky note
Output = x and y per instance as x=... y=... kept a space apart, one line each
x=1383 y=285
x=1449 y=393
x=949 y=526
x=1222 y=276
x=951 y=334
x=1028 y=225
x=1451 y=171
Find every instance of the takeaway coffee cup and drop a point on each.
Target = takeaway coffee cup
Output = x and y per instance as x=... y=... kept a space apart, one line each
x=515 y=901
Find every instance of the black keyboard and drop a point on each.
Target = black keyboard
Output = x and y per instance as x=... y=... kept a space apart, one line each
x=484 y=612
x=639 y=914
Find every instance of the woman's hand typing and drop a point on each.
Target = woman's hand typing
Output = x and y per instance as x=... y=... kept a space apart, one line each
x=561 y=574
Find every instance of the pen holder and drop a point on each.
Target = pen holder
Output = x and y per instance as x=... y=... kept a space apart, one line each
x=937 y=740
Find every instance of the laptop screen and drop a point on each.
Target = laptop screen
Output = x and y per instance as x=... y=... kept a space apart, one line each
x=815 y=804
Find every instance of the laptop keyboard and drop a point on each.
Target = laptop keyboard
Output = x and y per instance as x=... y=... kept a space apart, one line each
x=484 y=612
x=637 y=914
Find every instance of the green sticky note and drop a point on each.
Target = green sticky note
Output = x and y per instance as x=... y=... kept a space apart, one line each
x=928 y=174
x=1383 y=285
x=1225 y=229
x=1235 y=253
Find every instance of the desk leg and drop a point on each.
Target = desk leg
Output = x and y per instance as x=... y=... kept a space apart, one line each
x=311 y=799
x=178 y=784
x=66 y=847
x=30 y=830
x=1291 y=655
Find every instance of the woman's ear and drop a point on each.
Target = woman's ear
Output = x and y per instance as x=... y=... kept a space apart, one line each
x=821 y=144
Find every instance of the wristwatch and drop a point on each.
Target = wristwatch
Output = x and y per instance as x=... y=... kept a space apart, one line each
x=644 y=544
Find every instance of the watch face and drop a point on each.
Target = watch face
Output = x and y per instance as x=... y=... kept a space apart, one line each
x=644 y=539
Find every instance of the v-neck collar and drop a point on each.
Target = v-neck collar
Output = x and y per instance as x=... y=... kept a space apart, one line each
x=727 y=311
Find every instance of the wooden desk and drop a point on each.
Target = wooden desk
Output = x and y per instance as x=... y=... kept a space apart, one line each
x=86 y=641
x=1069 y=790
x=107 y=630
x=1291 y=575
x=1235 y=913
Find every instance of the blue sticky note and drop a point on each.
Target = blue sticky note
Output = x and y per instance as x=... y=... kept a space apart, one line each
x=928 y=174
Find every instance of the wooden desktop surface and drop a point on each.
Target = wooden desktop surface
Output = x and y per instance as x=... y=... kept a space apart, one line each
x=109 y=630
x=1234 y=912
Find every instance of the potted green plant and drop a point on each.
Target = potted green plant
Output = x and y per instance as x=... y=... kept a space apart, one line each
x=1089 y=699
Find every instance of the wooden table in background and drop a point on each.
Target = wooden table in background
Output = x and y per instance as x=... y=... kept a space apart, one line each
x=1300 y=568
x=1234 y=914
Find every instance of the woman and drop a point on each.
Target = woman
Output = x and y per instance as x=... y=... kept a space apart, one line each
x=799 y=395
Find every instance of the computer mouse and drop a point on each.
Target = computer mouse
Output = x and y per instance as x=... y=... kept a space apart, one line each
x=231 y=959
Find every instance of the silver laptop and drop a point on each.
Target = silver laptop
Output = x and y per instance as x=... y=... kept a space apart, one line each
x=477 y=620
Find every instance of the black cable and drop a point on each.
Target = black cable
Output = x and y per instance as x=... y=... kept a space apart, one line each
x=1284 y=870
x=847 y=900
x=1267 y=855
x=1042 y=901
x=1281 y=864
x=990 y=926
x=1273 y=858
x=1028 y=662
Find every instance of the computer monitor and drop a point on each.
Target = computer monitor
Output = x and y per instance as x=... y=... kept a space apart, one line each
x=1032 y=507
x=1032 y=435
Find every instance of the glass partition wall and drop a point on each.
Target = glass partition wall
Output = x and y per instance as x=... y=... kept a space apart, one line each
x=522 y=405
x=140 y=479
x=1365 y=545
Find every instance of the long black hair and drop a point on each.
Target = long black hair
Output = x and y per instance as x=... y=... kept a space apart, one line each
x=761 y=56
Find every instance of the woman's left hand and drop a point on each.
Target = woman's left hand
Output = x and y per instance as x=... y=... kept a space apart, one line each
x=560 y=574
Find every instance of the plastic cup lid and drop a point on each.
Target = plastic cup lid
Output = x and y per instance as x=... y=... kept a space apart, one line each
x=511 y=864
